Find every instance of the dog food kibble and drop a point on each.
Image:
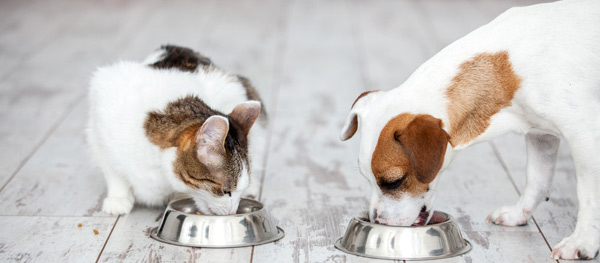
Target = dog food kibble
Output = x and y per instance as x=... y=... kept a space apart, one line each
x=96 y=232
x=79 y=225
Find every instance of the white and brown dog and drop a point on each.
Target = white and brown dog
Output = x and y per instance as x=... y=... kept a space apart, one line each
x=533 y=70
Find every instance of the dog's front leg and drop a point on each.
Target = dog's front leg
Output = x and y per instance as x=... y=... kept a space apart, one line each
x=542 y=150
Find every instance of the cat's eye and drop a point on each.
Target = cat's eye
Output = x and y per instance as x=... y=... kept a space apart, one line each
x=393 y=184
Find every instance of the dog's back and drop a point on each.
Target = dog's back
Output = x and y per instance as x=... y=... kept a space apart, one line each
x=555 y=45
x=553 y=49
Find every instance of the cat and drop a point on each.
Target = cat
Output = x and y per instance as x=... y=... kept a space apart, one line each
x=159 y=128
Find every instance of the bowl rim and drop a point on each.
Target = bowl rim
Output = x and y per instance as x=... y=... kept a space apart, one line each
x=261 y=211
x=280 y=235
x=467 y=248
x=362 y=220
x=171 y=209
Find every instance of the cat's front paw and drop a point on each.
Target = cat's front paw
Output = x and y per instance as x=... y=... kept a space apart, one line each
x=117 y=205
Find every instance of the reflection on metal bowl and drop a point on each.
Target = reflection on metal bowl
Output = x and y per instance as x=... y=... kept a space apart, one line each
x=182 y=225
x=441 y=238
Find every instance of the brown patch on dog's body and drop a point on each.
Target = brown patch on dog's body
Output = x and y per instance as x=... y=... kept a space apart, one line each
x=483 y=86
x=410 y=148
x=181 y=58
x=177 y=125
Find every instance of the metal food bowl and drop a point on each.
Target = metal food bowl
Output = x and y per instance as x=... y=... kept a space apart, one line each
x=439 y=239
x=182 y=226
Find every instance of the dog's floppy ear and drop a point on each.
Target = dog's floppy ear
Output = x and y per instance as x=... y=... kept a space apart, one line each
x=425 y=142
x=357 y=107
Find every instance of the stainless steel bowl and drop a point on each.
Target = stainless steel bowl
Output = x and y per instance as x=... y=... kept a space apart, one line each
x=182 y=226
x=441 y=238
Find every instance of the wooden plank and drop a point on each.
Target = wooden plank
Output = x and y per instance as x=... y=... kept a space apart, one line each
x=391 y=42
x=185 y=24
x=311 y=187
x=451 y=20
x=52 y=239
x=47 y=80
x=44 y=21
x=497 y=7
x=59 y=180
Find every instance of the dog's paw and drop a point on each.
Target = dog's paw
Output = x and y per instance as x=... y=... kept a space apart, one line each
x=117 y=205
x=509 y=216
x=576 y=247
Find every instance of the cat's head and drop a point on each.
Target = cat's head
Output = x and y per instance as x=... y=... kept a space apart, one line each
x=213 y=162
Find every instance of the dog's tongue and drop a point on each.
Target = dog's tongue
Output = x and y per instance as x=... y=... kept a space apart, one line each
x=422 y=219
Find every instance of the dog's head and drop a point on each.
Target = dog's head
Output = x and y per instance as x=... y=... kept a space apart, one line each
x=400 y=155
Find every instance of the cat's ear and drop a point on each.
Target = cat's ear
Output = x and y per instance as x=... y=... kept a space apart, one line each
x=211 y=140
x=245 y=114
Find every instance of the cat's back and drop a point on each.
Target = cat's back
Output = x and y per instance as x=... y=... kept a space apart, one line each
x=128 y=86
x=126 y=91
x=122 y=94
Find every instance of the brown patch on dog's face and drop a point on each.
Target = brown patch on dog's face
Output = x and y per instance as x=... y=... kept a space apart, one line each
x=409 y=154
x=483 y=86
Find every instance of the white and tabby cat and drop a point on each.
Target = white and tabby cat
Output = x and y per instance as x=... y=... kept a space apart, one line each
x=160 y=127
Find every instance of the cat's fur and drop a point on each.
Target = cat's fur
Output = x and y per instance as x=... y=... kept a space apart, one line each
x=159 y=127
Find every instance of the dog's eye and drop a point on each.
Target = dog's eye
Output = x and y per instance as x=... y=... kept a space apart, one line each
x=392 y=185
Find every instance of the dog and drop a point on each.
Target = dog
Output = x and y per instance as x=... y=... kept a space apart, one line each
x=533 y=70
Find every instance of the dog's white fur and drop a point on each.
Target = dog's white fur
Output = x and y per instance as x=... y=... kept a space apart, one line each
x=555 y=49
x=136 y=170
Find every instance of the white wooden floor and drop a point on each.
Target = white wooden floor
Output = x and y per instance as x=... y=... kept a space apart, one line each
x=309 y=59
